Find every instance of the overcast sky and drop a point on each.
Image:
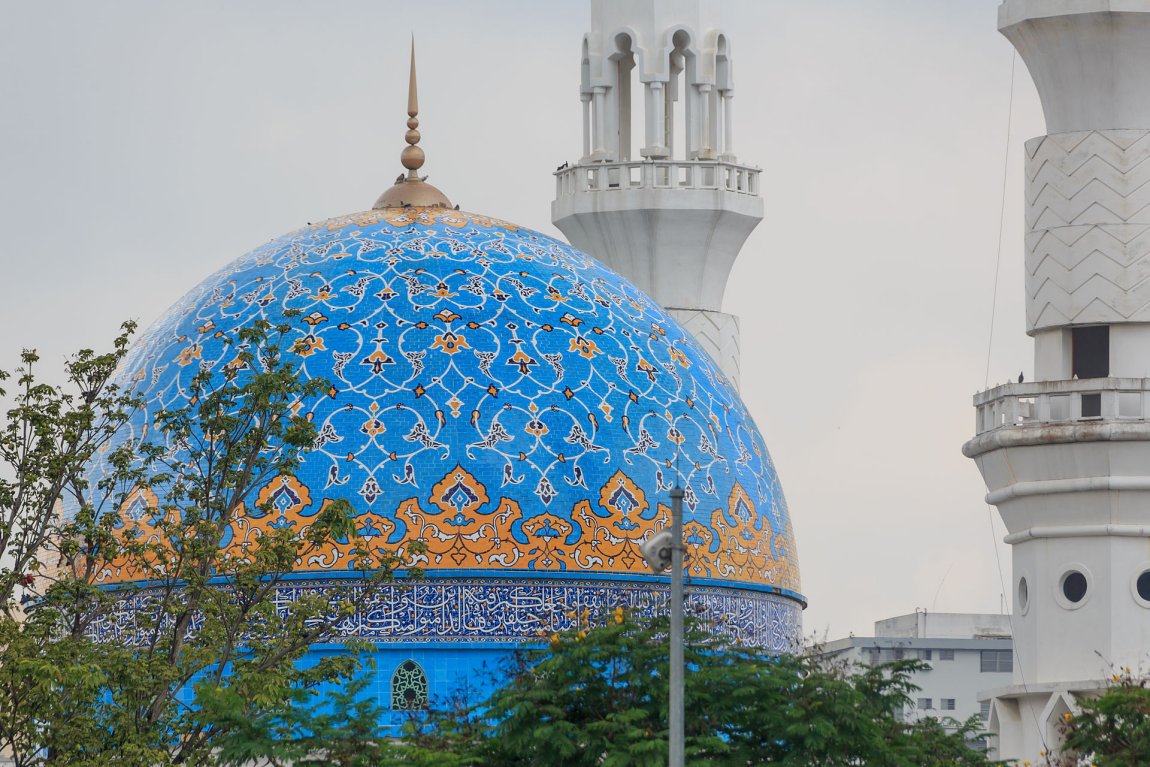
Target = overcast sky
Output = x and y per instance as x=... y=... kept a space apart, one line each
x=143 y=145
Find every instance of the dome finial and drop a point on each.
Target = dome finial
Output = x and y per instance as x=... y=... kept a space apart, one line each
x=412 y=191
x=412 y=157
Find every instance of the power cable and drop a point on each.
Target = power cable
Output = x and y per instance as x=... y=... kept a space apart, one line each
x=986 y=384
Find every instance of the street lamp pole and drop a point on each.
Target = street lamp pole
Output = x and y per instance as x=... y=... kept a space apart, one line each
x=676 y=714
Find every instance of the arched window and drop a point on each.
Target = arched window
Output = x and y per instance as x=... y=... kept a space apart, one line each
x=679 y=131
x=409 y=687
x=627 y=109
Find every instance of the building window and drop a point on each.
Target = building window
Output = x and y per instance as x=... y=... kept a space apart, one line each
x=1092 y=405
x=984 y=710
x=946 y=654
x=888 y=654
x=997 y=661
x=925 y=704
x=1090 y=352
x=409 y=687
x=946 y=704
x=925 y=654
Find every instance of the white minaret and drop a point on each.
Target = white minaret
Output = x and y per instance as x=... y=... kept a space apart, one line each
x=657 y=194
x=1066 y=459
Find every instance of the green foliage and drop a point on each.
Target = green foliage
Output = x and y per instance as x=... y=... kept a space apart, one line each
x=1111 y=730
x=212 y=663
x=598 y=696
x=212 y=673
x=47 y=437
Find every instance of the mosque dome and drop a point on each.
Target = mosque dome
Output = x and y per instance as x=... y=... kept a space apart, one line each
x=505 y=400
x=511 y=403
x=494 y=393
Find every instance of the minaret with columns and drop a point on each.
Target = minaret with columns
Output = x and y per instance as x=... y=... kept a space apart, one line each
x=657 y=193
x=1066 y=459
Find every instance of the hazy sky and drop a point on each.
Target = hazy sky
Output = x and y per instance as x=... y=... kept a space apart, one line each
x=143 y=145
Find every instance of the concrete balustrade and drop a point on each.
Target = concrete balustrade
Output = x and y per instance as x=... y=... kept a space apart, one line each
x=658 y=174
x=1052 y=402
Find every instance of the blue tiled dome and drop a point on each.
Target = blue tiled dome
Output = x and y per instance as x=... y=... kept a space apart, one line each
x=509 y=402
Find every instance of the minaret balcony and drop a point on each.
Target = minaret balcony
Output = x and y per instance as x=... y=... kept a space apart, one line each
x=703 y=175
x=1061 y=403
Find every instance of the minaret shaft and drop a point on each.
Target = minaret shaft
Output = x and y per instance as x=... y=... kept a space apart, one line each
x=1066 y=459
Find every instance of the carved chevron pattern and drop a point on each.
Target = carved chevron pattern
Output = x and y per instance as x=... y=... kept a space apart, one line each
x=1088 y=216
x=718 y=334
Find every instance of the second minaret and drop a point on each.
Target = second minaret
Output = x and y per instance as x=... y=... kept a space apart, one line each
x=657 y=193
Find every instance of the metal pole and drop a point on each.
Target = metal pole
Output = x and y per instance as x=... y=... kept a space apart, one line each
x=676 y=714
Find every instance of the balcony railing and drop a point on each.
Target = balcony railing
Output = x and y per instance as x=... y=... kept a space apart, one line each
x=658 y=174
x=1055 y=402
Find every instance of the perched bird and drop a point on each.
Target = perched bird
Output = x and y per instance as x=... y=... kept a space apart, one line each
x=1020 y=377
x=399 y=178
x=564 y=166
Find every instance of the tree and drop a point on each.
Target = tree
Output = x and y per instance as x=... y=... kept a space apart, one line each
x=597 y=695
x=209 y=658
x=1112 y=730
x=48 y=437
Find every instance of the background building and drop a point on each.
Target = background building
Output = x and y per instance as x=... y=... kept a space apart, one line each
x=966 y=653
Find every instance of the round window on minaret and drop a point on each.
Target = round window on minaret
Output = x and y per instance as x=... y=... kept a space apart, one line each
x=1142 y=587
x=1023 y=596
x=1074 y=586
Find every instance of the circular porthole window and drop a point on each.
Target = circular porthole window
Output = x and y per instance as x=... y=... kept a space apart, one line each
x=1074 y=586
x=1023 y=596
x=1141 y=587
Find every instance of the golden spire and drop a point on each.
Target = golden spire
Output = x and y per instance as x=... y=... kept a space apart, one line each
x=412 y=191
x=412 y=157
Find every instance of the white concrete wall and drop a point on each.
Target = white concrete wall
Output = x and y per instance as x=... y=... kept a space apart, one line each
x=1089 y=59
x=1076 y=505
x=1088 y=220
x=925 y=624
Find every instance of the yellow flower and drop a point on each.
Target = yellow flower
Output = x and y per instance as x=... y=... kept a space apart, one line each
x=1068 y=716
x=619 y=615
